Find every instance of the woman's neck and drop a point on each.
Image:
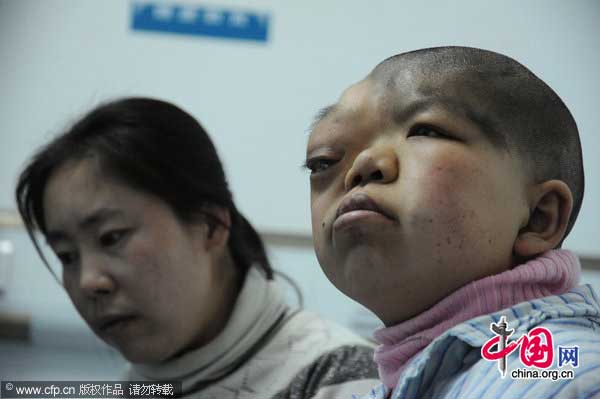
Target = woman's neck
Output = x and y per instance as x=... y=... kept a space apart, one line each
x=229 y=279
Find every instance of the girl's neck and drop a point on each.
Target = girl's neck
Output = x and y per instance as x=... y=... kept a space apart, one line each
x=552 y=273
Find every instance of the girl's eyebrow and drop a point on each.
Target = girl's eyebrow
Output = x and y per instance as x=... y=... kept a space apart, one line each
x=320 y=115
x=485 y=124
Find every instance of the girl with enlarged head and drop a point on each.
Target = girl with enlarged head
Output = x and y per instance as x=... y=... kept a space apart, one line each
x=157 y=260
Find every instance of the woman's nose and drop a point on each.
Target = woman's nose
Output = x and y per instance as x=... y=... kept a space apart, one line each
x=95 y=280
x=377 y=164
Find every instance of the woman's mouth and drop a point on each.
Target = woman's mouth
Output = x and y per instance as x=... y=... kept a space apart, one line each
x=114 y=324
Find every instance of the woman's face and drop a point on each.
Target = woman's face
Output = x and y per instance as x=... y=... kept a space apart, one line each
x=144 y=282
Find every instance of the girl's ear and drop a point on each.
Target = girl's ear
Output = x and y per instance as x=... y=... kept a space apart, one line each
x=551 y=204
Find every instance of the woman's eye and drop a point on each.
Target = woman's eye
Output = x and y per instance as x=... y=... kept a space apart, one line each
x=427 y=131
x=66 y=258
x=112 y=237
x=319 y=164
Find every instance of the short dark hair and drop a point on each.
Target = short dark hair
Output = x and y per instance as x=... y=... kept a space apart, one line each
x=154 y=147
x=531 y=117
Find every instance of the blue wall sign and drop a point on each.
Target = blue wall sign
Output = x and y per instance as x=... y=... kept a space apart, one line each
x=200 y=21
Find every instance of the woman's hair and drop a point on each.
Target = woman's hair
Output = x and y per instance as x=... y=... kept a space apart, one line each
x=154 y=147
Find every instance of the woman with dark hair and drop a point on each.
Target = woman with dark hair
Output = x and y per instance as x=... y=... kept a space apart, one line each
x=156 y=258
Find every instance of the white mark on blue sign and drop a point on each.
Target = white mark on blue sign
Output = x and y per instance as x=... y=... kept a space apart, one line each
x=200 y=21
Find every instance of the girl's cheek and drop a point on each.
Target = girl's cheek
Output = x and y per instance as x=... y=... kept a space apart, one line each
x=444 y=200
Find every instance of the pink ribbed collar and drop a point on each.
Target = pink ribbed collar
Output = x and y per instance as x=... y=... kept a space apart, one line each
x=552 y=273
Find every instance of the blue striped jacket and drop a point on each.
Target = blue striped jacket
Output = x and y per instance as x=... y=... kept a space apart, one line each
x=452 y=365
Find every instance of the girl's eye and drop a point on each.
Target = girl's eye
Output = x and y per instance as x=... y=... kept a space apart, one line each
x=319 y=164
x=427 y=131
x=112 y=237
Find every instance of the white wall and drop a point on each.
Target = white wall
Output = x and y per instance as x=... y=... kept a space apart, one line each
x=61 y=57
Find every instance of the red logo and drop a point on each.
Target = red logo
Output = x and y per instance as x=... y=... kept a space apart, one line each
x=536 y=347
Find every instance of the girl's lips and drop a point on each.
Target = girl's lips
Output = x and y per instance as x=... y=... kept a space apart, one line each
x=360 y=202
x=357 y=216
x=359 y=207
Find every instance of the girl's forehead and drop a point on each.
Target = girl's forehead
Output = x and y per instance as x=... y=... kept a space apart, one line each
x=400 y=98
x=378 y=103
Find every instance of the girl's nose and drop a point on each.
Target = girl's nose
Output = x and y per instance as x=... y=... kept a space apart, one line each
x=378 y=164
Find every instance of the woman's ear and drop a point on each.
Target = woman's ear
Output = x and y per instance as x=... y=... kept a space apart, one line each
x=218 y=224
x=211 y=232
x=551 y=204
